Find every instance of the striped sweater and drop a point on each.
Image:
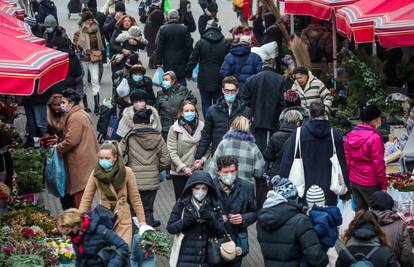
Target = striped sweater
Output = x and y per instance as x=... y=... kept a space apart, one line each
x=314 y=90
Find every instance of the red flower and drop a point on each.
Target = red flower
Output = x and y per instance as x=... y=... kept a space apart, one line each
x=27 y=232
x=9 y=249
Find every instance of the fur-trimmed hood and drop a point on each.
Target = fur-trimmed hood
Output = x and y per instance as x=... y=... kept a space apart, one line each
x=239 y=135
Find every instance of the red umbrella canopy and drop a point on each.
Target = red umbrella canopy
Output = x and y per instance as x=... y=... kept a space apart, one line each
x=22 y=63
x=20 y=34
x=321 y=9
x=13 y=22
x=12 y=10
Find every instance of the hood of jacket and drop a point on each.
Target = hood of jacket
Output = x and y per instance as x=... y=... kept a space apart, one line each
x=360 y=135
x=364 y=232
x=310 y=78
x=287 y=127
x=100 y=215
x=335 y=217
x=273 y=199
x=128 y=115
x=146 y=136
x=320 y=129
x=386 y=217
x=239 y=135
x=240 y=50
x=213 y=35
x=276 y=216
x=199 y=177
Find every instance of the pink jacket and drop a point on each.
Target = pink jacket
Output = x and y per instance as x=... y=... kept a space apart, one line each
x=364 y=151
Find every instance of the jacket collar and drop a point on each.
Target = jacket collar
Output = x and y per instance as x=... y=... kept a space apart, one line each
x=197 y=134
x=223 y=107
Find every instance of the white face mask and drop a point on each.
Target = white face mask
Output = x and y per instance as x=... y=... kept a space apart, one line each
x=228 y=179
x=199 y=194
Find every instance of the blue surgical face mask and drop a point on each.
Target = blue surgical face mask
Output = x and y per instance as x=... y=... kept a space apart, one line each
x=137 y=77
x=229 y=98
x=50 y=29
x=106 y=164
x=188 y=9
x=64 y=108
x=199 y=194
x=189 y=116
x=166 y=84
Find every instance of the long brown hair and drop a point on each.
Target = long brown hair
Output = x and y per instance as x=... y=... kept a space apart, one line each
x=120 y=22
x=55 y=122
x=365 y=217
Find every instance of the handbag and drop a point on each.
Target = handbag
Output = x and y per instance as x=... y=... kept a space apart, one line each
x=338 y=185
x=175 y=249
x=95 y=56
x=221 y=250
x=297 y=171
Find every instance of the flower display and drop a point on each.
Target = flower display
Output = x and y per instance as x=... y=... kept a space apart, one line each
x=155 y=242
x=403 y=182
x=62 y=248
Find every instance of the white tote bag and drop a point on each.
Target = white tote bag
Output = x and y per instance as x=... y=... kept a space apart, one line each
x=297 y=172
x=338 y=185
x=175 y=249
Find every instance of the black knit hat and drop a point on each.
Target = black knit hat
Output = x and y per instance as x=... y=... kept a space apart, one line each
x=381 y=201
x=301 y=70
x=212 y=7
x=120 y=7
x=369 y=113
x=138 y=95
x=142 y=116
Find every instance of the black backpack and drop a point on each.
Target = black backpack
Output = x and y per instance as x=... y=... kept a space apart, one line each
x=359 y=259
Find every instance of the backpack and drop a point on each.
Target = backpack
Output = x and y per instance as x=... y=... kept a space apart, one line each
x=363 y=261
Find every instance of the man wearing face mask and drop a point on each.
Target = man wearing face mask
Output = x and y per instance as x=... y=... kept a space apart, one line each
x=220 y=116
x=238 y=202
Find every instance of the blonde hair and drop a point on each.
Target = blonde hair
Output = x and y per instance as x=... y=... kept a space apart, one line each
x=70 y=218
x=55 y=122
x=113 y=146
x=240 y=123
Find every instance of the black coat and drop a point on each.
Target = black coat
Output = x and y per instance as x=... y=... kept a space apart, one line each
x=202 y=23
x=144 y=84
x=217 y=123
x=275 y=147
x=45 y=8
x=109 y=27
x=263 y=93
x=286 y=236
x=153 y=24
x=74 y=73
x=188 y=20
x=241 y=200
x=315 y=140
x=174 y=47
x=193 y=251
x=209 y=52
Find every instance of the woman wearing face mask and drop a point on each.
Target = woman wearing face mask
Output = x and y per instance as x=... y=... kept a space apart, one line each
x=240 y=143
x=78 y=147
x=138 y=80
x=364 y=150
x=182 y=142
x=197 y=215
x=117 y=188
x=169 y=100
x=186 y=16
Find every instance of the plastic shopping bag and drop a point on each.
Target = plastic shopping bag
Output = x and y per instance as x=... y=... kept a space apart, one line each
x=55 y=174
x=112 y=127
x=348 y=215
x=194 y=76
x=157 y=78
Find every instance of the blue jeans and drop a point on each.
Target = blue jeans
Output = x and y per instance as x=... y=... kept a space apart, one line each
x=36 y=120
x=208 y=99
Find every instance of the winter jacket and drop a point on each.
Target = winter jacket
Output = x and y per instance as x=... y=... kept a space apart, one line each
x=127 y=197
x=240 y=200
x=217 y=123
x=145 y=84
x=363 y=240
x=174 y=47
x=97 y=236
x=242 y=146
x=95 y=40
x=153 y=24
x=263 y=93
x=395 y=230
x=74 y=77
x=193 y=250
x=187 y=18
x=202 y=23
x=126 y=123
x=182 y=147
x=315 y=135
x=168 y=104
x=45 y=8
x=147 y=156
x=209 y=52
x=314 y=90
x=109 y=27
x=364 y=150
x=326 y=221
x=241 y=63
x=286 y=236
x=275 y=147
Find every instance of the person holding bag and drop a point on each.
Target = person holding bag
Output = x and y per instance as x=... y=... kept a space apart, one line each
x=195 y=218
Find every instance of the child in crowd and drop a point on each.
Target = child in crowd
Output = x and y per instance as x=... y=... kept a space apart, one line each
x=131 y=40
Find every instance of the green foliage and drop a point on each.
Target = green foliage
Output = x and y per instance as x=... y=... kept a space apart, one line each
x=25 y=261
x=405 y=72
x=156 y=242
x=28 y=165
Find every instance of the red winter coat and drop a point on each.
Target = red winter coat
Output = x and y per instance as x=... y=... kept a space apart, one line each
x=364 y=151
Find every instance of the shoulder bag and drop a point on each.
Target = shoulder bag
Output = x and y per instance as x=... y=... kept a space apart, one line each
x=175 y=249
x=221 y=250
x=297 y=171
x=338 y=185
x=95 y=56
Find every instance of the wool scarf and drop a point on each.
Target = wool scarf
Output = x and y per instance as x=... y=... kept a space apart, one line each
x=189 y=126
x=77 y=240
x=85 y=37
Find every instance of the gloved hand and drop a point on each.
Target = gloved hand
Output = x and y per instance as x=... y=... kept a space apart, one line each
x=188 y=218
x=206 y=214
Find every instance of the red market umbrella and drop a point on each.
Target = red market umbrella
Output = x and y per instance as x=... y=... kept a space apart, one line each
x=20 y=34
x=360 y=18
x=13 y=22
x=25 y=66
x=321 y=9
x=12 y=10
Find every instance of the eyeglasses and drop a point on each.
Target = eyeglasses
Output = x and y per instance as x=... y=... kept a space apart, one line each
x=227 y=91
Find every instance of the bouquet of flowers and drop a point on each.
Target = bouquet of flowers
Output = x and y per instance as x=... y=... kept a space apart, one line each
x=403 y=182
x=63 y=249
x=153 y=241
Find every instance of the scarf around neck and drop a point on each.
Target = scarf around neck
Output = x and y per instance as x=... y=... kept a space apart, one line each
x=190 y=127
x=115 y=177
x=77 y=240
x=85 y=37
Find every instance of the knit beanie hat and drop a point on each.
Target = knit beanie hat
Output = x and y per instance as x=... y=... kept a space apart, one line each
x=123 y=88
x=138 y=95
x=381 y=201
x=212 y=7
x=120 y=7
x=142 y=116
x=291 y=98
x=315 y=196
x=284 y=187
x=50 y=21
x=369 y=113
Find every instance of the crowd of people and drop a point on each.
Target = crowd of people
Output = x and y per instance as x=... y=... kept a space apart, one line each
x=253 y=127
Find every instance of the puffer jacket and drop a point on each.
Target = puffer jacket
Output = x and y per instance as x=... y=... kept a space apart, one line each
x=326 y=221
x=395 y=230
x=286 y=236
x=168 y=104
x=147 y=156
x=126 y=123
x=97 y=236
x=364 y=151
x=193 y=250
x=233 y=64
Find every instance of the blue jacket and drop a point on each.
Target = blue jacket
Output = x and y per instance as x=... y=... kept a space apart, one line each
x=232 y=65
x=326 y=221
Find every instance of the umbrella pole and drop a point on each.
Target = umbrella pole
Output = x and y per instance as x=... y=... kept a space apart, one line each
x=335 y=53
x=374 y=48
x=292 y=25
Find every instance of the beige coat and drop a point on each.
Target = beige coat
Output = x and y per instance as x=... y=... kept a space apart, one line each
x=79 y=147
x=183 y=146
x=129 y=193
x=127 y=121
x=147 y=156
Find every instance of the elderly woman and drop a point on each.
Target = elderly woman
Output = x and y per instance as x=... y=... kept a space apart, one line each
x=240 y=143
